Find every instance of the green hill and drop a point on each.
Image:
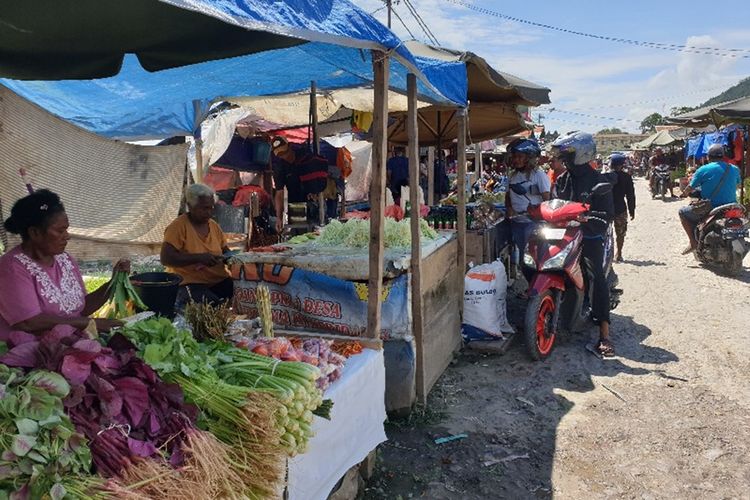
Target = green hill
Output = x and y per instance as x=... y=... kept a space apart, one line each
x=742 y=89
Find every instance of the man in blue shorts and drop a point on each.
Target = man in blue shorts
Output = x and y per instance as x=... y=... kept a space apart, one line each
x=718 y=182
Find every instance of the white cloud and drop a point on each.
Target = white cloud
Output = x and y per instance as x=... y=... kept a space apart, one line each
x=454 y=26
x=622 y=82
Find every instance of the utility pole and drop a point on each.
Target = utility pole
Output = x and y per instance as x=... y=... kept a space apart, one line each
x=390 y=8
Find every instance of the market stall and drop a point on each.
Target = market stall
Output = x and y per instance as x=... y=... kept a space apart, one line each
x=320 y=288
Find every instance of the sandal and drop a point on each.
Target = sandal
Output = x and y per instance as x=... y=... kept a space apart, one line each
x=605 y=348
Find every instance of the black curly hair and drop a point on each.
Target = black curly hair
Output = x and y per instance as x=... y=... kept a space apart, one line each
x=34 y=210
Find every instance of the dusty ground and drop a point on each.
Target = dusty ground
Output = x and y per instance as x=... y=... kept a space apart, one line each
x=669 y=418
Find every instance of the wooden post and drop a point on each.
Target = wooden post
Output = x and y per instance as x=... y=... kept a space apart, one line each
x=461 y=207
x=745 y=165
x=3 y=234
x=417 y=323
x=380 y=66
x=431 y=176
x=316 y=145
x=478 y=160
x=198 y=159
x=197 y=117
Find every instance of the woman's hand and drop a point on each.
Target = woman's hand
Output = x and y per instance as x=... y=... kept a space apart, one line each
x=105 y=325
x=122 y=265
x=210 y=260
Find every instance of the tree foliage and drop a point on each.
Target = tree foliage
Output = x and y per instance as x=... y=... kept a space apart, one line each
x=678 y=110
x=613 y=130
x=649 y=123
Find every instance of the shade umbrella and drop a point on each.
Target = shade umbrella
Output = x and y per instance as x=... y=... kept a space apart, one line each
x=660 y=138
x=493 y=96
x=83 y=39
x=734 y=111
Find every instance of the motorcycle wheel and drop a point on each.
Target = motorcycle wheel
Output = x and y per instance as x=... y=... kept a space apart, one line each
x=538 y=329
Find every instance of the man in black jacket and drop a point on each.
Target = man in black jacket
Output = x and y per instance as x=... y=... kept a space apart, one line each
x=576 y=150
x=624 y=198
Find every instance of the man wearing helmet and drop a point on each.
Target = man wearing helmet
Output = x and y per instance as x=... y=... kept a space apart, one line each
x=524 y=154
x=624 y=199
x=718 y=182
x=576 y=150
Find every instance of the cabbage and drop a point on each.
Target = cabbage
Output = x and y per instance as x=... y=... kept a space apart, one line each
x=355 y=233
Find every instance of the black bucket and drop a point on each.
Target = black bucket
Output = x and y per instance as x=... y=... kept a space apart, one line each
x=158 y=291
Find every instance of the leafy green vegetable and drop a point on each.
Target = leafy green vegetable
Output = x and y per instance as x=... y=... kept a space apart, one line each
x=93 y=283
x=355 y=233
x=40 y=449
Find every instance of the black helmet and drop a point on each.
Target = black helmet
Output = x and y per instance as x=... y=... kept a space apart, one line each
x=617 y=160
x=716 y=151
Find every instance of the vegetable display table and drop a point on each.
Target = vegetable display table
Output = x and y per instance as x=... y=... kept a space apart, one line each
x=355 y=429
x=324 y=289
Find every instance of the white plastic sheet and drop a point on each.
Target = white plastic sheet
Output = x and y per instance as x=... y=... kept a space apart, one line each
x=355 y=429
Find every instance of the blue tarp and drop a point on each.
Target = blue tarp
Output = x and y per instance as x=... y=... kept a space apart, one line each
x=698 y=146
x=137 y=104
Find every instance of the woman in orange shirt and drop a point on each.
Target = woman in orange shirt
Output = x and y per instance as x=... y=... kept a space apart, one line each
x=193 y=247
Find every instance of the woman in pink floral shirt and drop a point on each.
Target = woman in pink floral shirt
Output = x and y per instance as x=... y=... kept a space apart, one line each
x=41 y=288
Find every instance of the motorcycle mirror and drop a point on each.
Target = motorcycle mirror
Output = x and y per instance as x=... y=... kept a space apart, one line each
x=518 y=188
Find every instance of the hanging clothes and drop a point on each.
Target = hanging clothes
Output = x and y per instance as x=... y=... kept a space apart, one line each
x=362 y=120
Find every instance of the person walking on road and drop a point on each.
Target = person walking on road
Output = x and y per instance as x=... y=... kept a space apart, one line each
x=623 y=193
x=576 y=150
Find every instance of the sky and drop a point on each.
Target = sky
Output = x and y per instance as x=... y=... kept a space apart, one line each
x=595 y=84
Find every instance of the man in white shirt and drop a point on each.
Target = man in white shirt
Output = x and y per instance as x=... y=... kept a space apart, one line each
x=524 y=155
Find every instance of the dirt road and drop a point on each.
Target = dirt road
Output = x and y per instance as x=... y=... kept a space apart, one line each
x=669 y=418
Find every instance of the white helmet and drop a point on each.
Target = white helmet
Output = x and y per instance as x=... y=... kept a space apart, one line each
x=575 y=148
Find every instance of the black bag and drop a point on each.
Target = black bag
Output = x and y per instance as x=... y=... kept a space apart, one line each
x=703 y=206
x=313 y=173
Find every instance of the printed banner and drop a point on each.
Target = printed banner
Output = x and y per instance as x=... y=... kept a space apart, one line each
x=309 y=301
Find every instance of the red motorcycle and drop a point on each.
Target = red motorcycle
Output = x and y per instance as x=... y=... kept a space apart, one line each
x=557 y=293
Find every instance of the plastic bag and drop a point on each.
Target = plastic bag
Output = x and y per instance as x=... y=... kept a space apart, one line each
x=485 y=290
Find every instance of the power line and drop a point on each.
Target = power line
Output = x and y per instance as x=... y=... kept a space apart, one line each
x=549 y=111
x=403 y=24
x=378 y=9
x=647 y=101
x=734 y=53
x=422 y=24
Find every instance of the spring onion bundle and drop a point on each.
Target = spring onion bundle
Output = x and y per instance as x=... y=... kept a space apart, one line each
x=294 y=383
